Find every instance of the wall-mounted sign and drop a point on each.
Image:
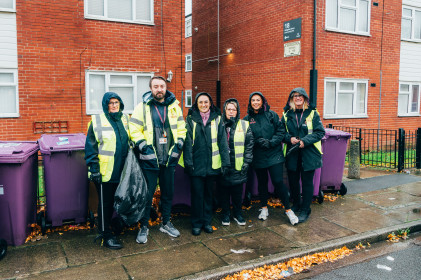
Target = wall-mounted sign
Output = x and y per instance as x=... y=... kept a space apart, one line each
x=292 y=29
x=292 y=48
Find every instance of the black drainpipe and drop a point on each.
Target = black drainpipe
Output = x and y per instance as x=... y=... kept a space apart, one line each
x=313 y=72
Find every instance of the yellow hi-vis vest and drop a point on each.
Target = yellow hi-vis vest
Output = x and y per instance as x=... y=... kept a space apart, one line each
x=239 y=141
x=106 y=138
x=309 y=121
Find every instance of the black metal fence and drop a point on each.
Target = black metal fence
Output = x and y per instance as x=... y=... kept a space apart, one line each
x=387 y=148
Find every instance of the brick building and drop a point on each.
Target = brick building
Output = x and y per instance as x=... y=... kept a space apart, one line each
x=367 y=56
x=57 y=58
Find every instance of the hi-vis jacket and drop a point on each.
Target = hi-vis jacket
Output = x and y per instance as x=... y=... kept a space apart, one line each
x=141 y=132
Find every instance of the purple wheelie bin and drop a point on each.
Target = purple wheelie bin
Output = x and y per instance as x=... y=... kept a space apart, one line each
x=182 y=193
x=334 y=145
x=18 y=190
x=66 y=177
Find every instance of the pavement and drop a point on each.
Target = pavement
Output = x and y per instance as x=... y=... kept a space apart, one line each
x=367 y=216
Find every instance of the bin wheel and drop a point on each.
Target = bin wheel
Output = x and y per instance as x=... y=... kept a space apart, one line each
x=3 y=248
x=43 y=225
x=320 y=198
x=343 y=190
x=91 y=219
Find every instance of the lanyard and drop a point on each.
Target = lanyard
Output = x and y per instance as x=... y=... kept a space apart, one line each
x=298 y=124
x=160 y=117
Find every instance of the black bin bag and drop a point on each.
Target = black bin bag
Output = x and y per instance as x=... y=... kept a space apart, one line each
x=130 y=196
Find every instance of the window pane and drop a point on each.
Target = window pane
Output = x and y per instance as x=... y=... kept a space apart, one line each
x=415 y=98
x=363 y=16
x=120 y=80
x=96 y=91
x=8 y=100
x=349 y=2
x=143 y=10
x=120 y=9
x=406 y=12
x=332 y=13
x=406 y=28
x=417 y=25
x=96 y=7
x=345 y=103
x=188 y=63
x=8 y=4
x=188 y=98
x=126 y=95
x=404 y=87
x=346 y=86
x=142 y=87
x=347 y=19
x=403 y=103
x=330 y=98
x=361 y=91
x=6 y=78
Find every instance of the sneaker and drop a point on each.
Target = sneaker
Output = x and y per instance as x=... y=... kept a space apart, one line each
x=240 y=220
x=169 y=229
x=264 y=213
x=111 y=242
x=293 y=219
x=225 y=220
x=142 y=236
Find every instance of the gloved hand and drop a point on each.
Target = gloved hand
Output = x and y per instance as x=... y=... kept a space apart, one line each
x=225 y=170
x=189 y=169
x=142 y=146
x=244 y=169
x=264 y=143
x=96 y=178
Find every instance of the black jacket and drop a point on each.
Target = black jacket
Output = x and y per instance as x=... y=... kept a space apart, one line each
x=235 y=177
x=311 y=158
x=122 y=140
x=199 y=155
x=265 y=124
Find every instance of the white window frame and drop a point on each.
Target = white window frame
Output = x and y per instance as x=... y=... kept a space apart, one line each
x=15 y=84
x=354 y=92
x=188 y=93
x=188 y=26
x=108 y=85
x=106 y=18
x=356 y=8
x=410 y=93
x=189 y=59
x=13 y=9
x=412 y=19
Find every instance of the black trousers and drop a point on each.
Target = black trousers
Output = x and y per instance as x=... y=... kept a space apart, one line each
x=108 y=191
x=231 y=193
x=307 y=186
x=201 y=200
x=276 y=175
x=166 y=185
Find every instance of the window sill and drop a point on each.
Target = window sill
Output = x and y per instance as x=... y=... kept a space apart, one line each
x=411 y=40
x=348 y=32
x=188 y=70
x=345 y=117
x=7 y=10
x=11 y=115
x=409 y=115
x=120 y=20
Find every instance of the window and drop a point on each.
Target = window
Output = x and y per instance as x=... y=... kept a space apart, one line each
x=8 y=5
x=188 y=63
x=345 y=98
x=409 y=99
x=188 y=26
x=411 y=23
x=133 y=11
x=189 y=98
x=349 y=16
x=9 y=95
x=129 y=86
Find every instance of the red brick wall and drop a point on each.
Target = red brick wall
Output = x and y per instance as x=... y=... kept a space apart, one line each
x=56 y=44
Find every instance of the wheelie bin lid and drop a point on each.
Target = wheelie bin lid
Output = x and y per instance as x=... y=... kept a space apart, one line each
x=17 y=151
x=51 y=143
x=330 y=132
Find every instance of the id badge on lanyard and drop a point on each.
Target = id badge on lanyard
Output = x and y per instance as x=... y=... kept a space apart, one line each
x=162 y=140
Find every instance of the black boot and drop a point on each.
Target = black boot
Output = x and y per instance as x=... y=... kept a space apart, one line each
x=303 y=215
x=111 y=242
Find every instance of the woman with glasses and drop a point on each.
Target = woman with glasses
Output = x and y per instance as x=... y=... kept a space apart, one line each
x=267 y=153
x=304 y=131
x=106 y=149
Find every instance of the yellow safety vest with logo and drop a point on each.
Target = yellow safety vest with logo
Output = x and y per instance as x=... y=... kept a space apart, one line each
x=309 y=121
x=106 y=138
x=239 y=141
x=141 y=128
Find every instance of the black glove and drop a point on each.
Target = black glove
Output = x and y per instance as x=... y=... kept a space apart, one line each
x=224 y=170
x=189 y=169
x=293 y=149
x=96 y=178
x=244 y=169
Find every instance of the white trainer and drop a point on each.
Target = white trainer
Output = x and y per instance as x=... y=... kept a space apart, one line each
x=293 y=219
x=264 y=213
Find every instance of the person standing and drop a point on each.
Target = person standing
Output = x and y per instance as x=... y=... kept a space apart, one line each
x=304 y=130
x=267 y=153
x=106 y=149
x=240 y=145
x=158 y=130
x=205 y=157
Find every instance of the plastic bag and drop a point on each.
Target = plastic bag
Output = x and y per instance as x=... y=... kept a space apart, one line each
x=130 y=196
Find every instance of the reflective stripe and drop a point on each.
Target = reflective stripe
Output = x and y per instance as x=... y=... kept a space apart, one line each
x=214 y=140
x=239 y=155
x=174 y=154
x=238 y=143
x=105 y=153
x=180 y=118
x=180 y=142
x=215 y=153
x=142 y=144
x=173 y=126
x=136 y=121
x=147 y=157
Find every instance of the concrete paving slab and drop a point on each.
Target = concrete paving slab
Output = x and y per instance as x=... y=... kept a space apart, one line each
x=391 y=199
x=172 y=262
x=406 y=214
x=412 y=188
x=31 y=259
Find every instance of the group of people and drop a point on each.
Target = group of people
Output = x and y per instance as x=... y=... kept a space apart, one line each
x=213 y=146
